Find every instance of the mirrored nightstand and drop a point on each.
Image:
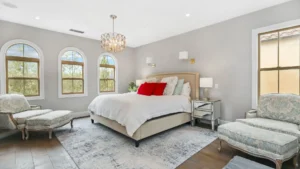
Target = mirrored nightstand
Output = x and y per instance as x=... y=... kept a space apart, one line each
x=206 y=109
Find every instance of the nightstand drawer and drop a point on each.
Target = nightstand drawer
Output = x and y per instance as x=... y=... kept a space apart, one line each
x=199 y=113
x=201 y=105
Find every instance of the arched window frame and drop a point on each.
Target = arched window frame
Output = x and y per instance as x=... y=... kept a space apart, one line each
x=3 y=51
x=85 y=77
x=116 y=74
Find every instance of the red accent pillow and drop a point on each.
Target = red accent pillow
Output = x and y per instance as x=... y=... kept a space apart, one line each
x=146 y=89
x=159 y=89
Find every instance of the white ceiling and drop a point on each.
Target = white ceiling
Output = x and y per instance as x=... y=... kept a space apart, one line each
x=141 y=21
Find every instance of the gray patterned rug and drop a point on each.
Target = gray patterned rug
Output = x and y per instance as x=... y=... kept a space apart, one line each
x=93 y=146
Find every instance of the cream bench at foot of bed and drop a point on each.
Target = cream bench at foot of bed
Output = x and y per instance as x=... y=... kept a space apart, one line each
x=49 y=121
x=275 y=146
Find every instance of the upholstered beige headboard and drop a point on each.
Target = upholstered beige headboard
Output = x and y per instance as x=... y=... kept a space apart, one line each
x=192 y=77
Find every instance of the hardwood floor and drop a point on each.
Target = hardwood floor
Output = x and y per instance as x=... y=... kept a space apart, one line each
x=41 y=153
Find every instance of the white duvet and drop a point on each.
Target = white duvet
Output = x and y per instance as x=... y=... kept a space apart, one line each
x=132 y=110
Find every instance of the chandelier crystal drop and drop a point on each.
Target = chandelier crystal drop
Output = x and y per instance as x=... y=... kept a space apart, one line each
x=113 y=42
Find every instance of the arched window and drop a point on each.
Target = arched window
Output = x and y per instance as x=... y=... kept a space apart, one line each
x=107 y=65
x=22 y=69
x=72 y=73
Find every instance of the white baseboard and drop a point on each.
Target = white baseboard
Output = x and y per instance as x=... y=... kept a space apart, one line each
x=81 y=114
x=220 y=121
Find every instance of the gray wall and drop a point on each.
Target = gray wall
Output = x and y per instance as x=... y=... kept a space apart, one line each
x=222 y=51
x=51 y=44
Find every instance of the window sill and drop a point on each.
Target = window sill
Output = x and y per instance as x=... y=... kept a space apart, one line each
x=35 y=98
x=105 y=93
x=71 y=95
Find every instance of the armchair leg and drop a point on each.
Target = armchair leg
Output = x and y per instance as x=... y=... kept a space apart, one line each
x=71 y=123
x=50 y=134
x=295 y=161
x=137 y=143
x=23 y=134
x=278 y=164
x=27 y=134
x=220 y=146
x=92 y=120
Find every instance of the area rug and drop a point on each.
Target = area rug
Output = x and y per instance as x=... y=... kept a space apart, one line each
x=93 y=146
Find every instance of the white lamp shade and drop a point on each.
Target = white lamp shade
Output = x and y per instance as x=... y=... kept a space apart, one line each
x=206 y=82
x=149 y=60
x=184 y=55
x=139 y=82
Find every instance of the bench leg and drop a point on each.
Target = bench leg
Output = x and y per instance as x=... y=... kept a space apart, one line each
x=278 y=164
x=71 y=123
x=50 y=134
x=220 y=146
x=295 y=160
x=23 y=134
x=27 y=134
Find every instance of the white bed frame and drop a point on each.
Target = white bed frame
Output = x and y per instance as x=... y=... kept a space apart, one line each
x=160 y=124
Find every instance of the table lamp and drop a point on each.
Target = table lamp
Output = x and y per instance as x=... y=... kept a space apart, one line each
x=206 y=83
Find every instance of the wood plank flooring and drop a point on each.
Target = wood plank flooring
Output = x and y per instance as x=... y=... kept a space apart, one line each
x=41 y=153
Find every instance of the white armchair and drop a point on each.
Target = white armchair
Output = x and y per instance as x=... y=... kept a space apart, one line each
x=15 y=109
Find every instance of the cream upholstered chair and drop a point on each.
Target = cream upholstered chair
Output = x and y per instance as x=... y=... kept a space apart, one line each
x=15 y=110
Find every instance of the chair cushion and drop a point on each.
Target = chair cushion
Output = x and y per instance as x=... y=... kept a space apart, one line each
x=283 y=107
x=50 y=119
x=261 y=139
x=13 y=103
x=273 y=125
x=23 y=116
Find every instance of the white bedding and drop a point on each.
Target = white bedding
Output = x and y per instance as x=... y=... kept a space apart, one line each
x=132 y=110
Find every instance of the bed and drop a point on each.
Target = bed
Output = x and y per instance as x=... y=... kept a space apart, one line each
x=148 y=125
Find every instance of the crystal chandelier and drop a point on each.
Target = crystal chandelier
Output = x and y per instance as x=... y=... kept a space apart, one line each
x=113 y=42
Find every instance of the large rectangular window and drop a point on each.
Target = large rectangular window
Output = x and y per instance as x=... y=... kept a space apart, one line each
x=279 y=61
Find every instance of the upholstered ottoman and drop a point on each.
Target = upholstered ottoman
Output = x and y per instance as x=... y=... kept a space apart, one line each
x=49 y=121
x=271 y=145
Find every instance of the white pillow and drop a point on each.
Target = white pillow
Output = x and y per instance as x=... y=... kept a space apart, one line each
x=151 y=80
x=186 y=90
x=171 y=84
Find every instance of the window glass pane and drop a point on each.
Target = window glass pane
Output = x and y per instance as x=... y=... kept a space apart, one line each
x=30 y=52
x=15 y=86
x=15 y=50
x=78 y=86
x=268 y=82
x=31 y=69
x=67 y=71
x=289 y=47
x=107 y=85
x=31 y=88
x=77 y=71
x=269 y=50
x=15 y=68
x=67 y=86
x=107 y=73
x=68 y=56
x=77 y=57
x=289 y=81
x=107 y=60
x=110 y=60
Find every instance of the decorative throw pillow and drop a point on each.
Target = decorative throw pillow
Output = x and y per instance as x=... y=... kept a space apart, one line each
x=159 y=89
x=178 y=87
x=13 y=103
x=186 y=90
x=146 y=89
x=171 y=84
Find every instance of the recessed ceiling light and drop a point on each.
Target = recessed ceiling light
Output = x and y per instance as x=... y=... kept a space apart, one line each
x=187 y=15
x=9 y=5
x=37 y=18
